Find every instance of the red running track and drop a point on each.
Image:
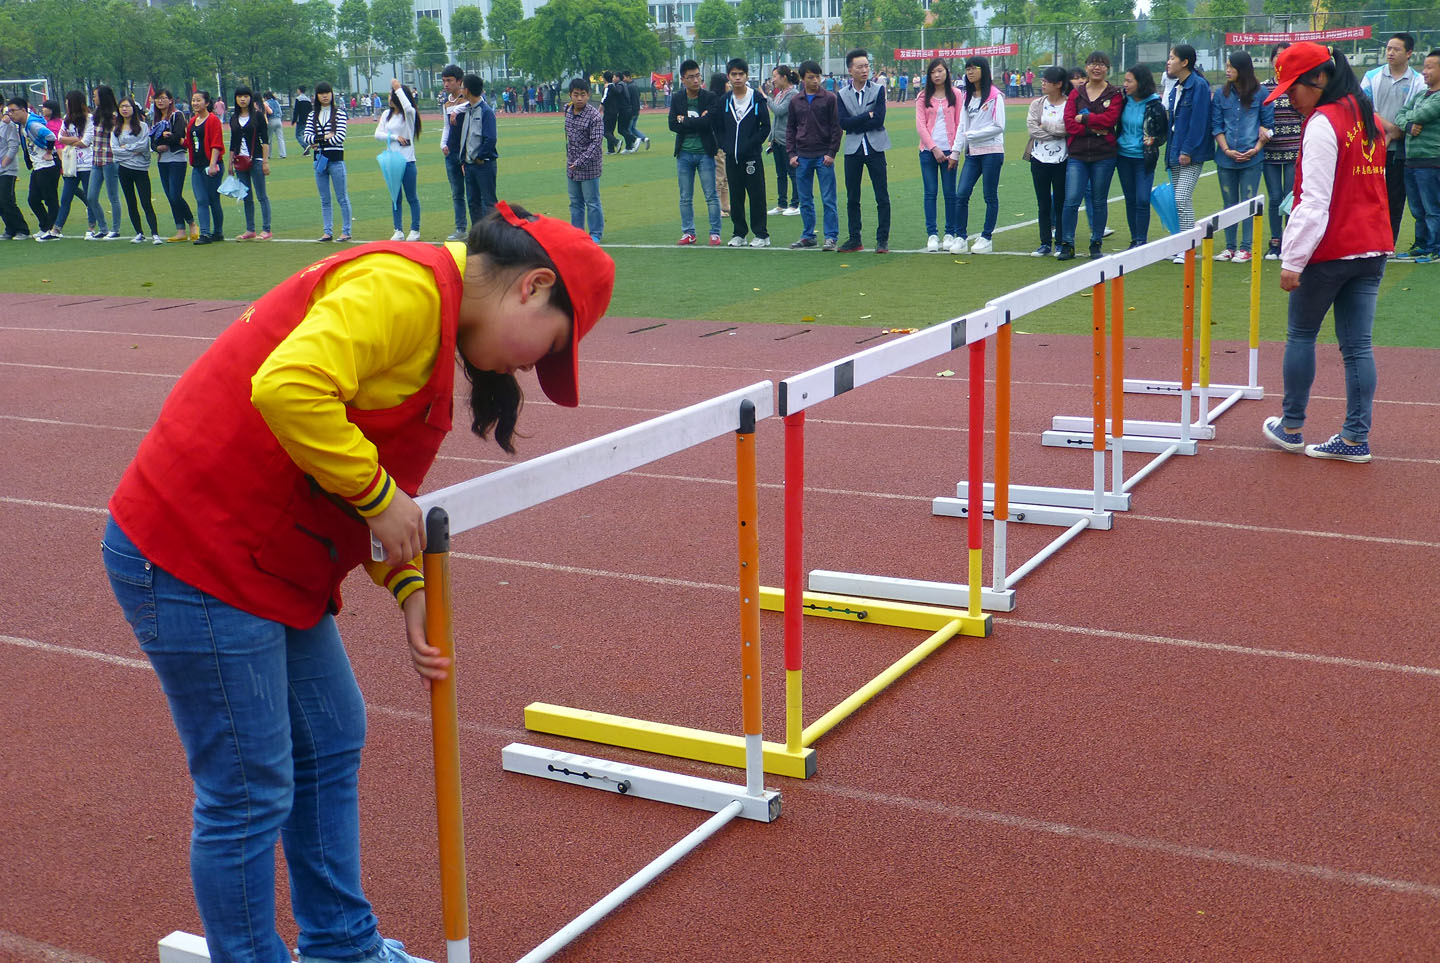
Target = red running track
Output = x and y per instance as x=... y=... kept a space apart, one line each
x=1209 y=734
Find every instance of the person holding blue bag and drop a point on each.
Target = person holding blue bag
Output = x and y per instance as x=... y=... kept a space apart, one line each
x=398 y=128
x=1142 y=132
x=1191 y=143
x=1241 y=123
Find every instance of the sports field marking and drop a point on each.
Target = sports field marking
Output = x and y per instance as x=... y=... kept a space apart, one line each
x=1275 y=530
x=108 y=371
x=124 y=334
x=1328 y=874
x=70 y=424
x=24 y=948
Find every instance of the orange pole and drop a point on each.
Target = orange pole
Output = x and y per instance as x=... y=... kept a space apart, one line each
x=1002 y=423
x=748 y=512
x=1187 y=324
x=1117 y=356
x=1097 y=342
x=445 y=726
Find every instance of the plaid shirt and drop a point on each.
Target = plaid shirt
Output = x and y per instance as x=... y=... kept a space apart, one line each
x=582 y=143
x=100 y=143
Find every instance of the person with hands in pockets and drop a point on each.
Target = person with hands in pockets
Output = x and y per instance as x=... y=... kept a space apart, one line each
x=306 y=428
x=744 y=127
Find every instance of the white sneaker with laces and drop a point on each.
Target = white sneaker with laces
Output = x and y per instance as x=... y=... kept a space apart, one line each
x=137 y=239
x=792 y=211
x=777 y=209
x=91 y=236
x=398 y=236
x=112 y=236
x=932 y=245
x=1226 y=255
x=413 y=236
x=760 y=242
x=959 y=246
x=157 y=239
x=946 y=241
x=981 y=245
x=1178 y=259
x=737 y=241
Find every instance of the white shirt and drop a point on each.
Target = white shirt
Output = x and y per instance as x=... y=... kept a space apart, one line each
x=939 y=133
x=1051 y=151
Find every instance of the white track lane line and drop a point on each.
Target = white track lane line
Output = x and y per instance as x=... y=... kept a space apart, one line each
x=1204 y=854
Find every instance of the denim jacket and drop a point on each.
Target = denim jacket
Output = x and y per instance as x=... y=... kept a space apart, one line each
x=1188 y=103
x=1240 y=125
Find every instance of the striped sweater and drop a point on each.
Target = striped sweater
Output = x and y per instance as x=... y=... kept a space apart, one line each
x=319 y=122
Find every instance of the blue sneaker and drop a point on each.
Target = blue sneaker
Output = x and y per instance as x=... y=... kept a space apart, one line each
x=1275 y=432
x=1425 y=259
x=390 y=951
x=1409 y=255
x=1336 y=449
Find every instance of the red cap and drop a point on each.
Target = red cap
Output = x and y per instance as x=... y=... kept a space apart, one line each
x=588 y=274
x=1294 y=62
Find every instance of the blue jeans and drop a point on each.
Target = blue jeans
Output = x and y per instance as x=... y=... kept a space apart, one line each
x=1137 y=178
x=407 y=187
x=1087 y=179
x=72 y=187
x=687 y=164
x=254 y=179
x=480 y=188
x=985 y=166
x=585 y=201
x=1351 y=287
x=334 y=174
x=456 y=175
x=937 y=178
x=1236 y=185
x=206 y=188
x=1422 y=188
x=110 y=175
x=172 y=182
x=1279 y=184
x=805 y=187
x=272 y=723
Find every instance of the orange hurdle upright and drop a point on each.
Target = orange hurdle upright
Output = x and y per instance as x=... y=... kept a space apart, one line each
x=748 y=514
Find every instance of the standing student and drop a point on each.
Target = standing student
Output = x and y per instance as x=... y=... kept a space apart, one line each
x=862 y=117
x=167 y=135
x=1419 y=120
x=478 y=153
x=783 y=88
x=39 y=143
x=692 y=118
x=1335 y=245
x=205 y=145
x=937 y=118
x=981 y=138
x=399 y=126
x=1241 y=123
x=453 y=108
x=1143 y=123
x=632 y=93
x=813 y=139
x=1390 y=87
x=130 y=143
x=300 y=111
x=250 y=160
x=11 y=142
x=719 y=87
x=584 y=130
x=744 y=127
x=1048 y=154
x=325 y=129
x=275 y=122
x=226 y=549
x=1281 y=150
x=103 y=170
x=1190 y=144
x=1092 y=119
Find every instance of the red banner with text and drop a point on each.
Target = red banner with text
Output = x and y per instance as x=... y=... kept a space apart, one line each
x=997 y=50
x=1320 y=36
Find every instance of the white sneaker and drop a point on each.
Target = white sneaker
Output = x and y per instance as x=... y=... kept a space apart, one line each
x=55 y=235
x=413 y=236
x=737 y=241
x=981 y=245
x=1178 y=259
x=1107 y=232
x=1226 y=255
x=760 y=242
x=156 y=239
x=946 y=241
x=777 y=209
x=792 y=211
x=398 y=236
x=91 y=236
x=959 y=246
x=112 y=236
x=932 y=246
x=137 y=239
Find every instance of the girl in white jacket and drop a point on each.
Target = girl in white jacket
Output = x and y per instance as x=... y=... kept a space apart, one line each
x=398 y=127
x=982 y=139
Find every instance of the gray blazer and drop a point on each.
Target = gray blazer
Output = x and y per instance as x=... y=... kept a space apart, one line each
x=863 y=135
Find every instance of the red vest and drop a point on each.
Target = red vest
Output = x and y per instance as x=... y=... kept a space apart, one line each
x=213 y=499
x=1359 y=205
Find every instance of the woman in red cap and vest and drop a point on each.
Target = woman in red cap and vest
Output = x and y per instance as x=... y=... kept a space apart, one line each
x=307 y=427
x=1335 y=245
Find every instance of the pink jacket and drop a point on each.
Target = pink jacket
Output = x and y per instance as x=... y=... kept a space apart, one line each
x=925 y=119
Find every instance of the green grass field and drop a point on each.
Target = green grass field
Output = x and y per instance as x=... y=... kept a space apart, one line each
x=639 y=196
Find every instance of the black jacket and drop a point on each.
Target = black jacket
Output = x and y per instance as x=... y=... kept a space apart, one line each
x=612 y=100
x=743 y=139
x=704 y=125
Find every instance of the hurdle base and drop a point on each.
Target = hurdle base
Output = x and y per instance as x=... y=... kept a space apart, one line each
x=182 y=947
x=638 y=781
x=1051 y=497
x=954 y=594
x=1135 y=443
x=1028 y=514
x=680 y=742
x=1133 y=428
x=878 y=611
x=1142 y=387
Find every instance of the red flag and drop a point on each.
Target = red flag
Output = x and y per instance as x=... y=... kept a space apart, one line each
x=149 y=97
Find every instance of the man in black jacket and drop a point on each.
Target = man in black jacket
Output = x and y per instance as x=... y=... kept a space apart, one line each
x=633 y=91
x=609 y=110
x=693 y=119
x=743 y=128
x=625 y=115
x=301 y=110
